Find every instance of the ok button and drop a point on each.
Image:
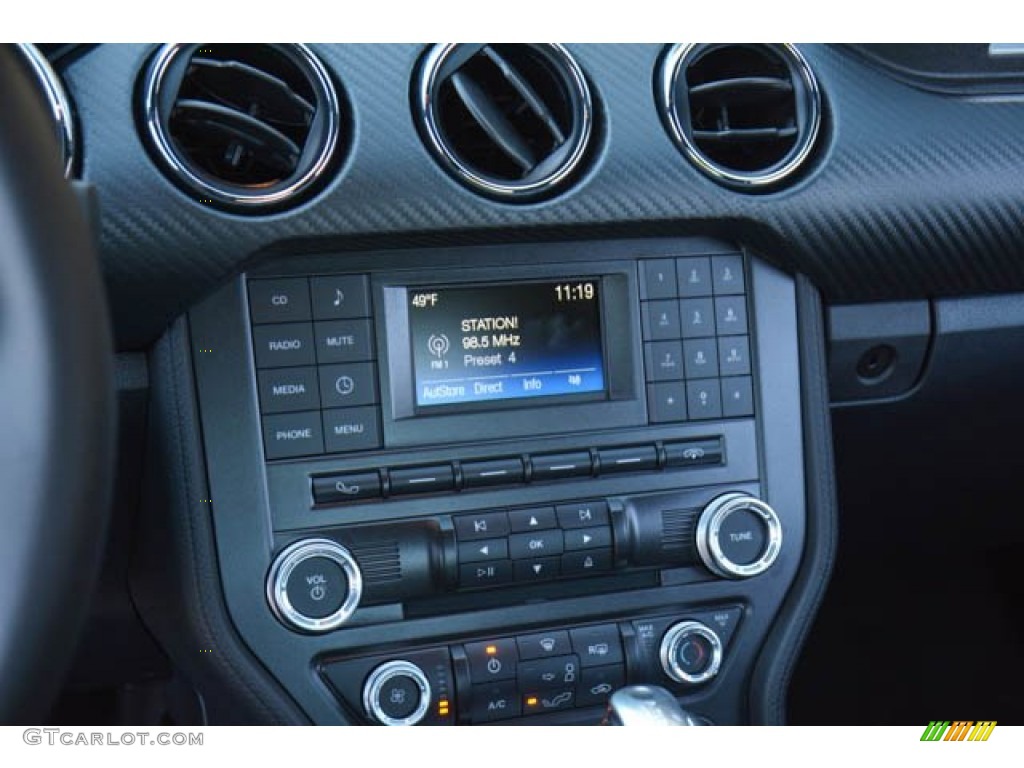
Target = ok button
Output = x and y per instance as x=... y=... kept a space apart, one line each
x=532 y=545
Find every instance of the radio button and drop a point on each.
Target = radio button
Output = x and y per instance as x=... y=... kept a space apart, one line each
x=342 y=386
x=351 y=429
x=532 y=519
x=540 y=569
x=288 y=389
x=340 y=296
x=477 y=575
x=495 y=702
x=582 y=514
x=279 y=301
x=658 y=279
x=597 y=684
x=694 y=276
x=485 y=525
x=544 y=645
x=344 y=341
x=492 y=660
x=484 y=474
x=555 y=466
x=279 y=346
x=522 y=546
x=422 y=480
x=597 y=646
x=586 y=562
x=542 y=674
x=588 y=538
x=633 y=459
x=352 y=487
x=483 y=551
x=293 y=434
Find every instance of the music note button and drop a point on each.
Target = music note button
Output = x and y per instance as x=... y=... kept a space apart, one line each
x=339 y=297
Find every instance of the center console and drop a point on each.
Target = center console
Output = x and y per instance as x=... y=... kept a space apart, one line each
x=472 y=485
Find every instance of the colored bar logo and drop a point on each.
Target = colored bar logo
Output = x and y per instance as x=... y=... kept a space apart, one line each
x=960 y=730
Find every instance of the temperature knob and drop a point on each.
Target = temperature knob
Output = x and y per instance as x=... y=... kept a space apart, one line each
x=314 y=585
x=690 y=652
x=397 y=693
x=738 y=536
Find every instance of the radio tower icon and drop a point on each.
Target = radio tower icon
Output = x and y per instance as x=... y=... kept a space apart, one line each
x=438 y=345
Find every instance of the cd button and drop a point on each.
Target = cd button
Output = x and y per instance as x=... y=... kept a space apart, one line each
x=481 y=526
x=522 y=546
x=351 y=487
x=554 y=466
x=279 y=301
x=583 y=514
x=483 y=551
x=422 y=479
x=532 y=519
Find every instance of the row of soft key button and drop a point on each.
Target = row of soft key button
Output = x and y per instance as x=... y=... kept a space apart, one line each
x=314 y=348
x=696 y=338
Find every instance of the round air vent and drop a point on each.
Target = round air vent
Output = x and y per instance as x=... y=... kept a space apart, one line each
x=248 y=127
x=51 y=89
x=746 y=115
x=509 y=121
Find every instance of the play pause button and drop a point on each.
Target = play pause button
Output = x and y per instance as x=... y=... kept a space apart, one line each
x=540 y=569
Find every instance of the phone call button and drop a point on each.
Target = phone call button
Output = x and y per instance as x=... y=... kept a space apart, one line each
x=331 y=489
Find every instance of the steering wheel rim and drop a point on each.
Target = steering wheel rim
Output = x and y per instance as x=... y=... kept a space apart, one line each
x=57 y=414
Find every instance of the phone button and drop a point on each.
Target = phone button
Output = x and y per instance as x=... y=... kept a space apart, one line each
x=332 y=489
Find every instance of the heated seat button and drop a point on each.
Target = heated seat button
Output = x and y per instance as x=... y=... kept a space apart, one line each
x=317 y=587
x=279 y=301
x=492 y=660
x=544 y=645
x=532 y=545
x=422 y=479
x=597 y=646
x=277 y=346
x=499 y=701
x=350 y=487
x=483 y=525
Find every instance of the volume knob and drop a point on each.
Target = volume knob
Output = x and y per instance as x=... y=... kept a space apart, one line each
x=738 y=536
x=314 y=585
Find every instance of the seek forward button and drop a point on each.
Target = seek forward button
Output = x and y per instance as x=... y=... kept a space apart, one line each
x=483 y=551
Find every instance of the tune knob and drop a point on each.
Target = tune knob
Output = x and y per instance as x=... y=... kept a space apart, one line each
x=738 y=536
x=314 y=585
x=397 y=693
x=690 y=652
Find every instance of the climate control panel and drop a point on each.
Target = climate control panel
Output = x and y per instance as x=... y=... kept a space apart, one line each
x=540 y=673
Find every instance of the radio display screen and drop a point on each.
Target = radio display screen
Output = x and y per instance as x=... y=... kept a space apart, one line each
x=487 y=343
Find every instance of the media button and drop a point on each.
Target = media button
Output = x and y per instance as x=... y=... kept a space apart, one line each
x=356 y=486
x=351 y=429
x=484 y=525
x=340 y=296
x=344 y=341
x=278 y=346
x=342 y=386
x=288 y=389
x=484 y=474
x=583 y=514
x=483 y=551
x=540 y=569
x=292 y=434
x=409 y=480
x=492 y=660
x=279 y=301
x=555 y=466
x=532 y=519
x=522 y=546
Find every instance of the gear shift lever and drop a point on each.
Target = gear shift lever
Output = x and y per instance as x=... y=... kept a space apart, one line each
x=646 y=705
